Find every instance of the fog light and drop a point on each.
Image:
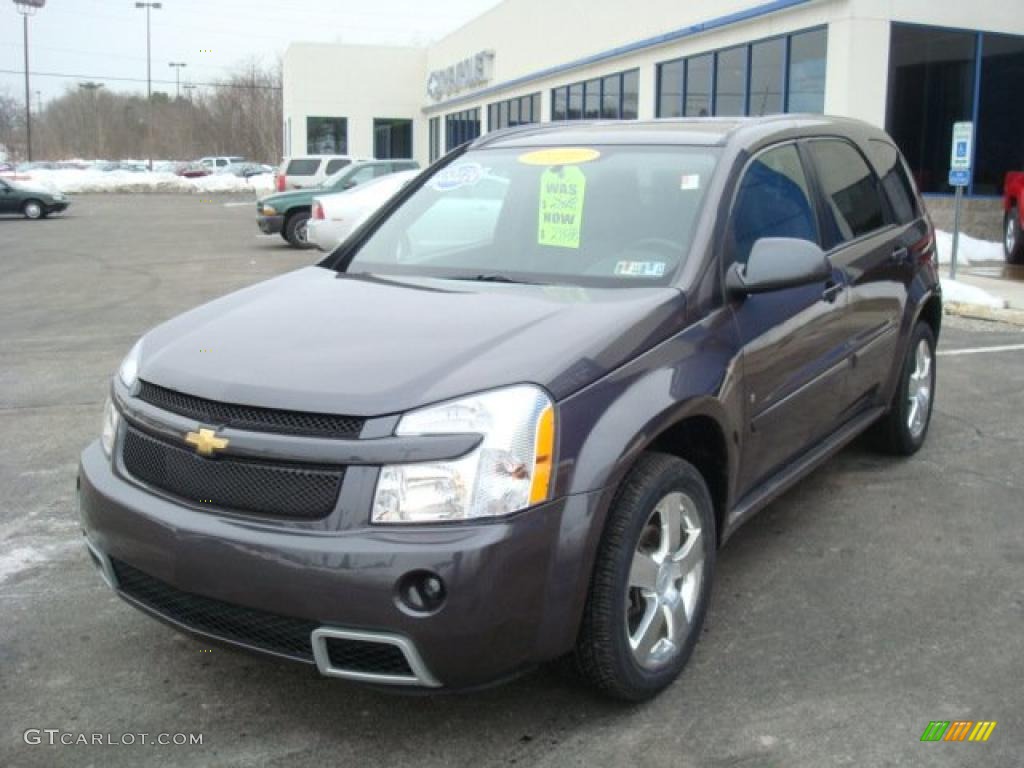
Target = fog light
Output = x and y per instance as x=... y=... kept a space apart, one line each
x=422 y=592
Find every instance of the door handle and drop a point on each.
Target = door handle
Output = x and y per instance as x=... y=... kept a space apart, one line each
x=900 y=255
x=832 y=290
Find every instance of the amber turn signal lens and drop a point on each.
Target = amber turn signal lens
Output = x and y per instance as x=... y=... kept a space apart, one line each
x=544 y=453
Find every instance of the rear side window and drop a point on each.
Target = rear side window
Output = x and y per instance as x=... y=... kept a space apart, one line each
x=895 y=181
x=303 y=167
x=364 y=174
x=333 y=166
x=772 y=201
x=852 y=200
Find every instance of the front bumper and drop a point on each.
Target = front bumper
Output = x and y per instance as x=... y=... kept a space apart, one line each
x=515 y=588
x=270 y=225
x=57 y=206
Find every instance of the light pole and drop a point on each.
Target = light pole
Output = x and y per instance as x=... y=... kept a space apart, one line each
x=149 y=83
x=177 y=76
x=28 y=8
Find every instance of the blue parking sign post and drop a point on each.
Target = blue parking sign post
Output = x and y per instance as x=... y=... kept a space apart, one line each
x=959 y=177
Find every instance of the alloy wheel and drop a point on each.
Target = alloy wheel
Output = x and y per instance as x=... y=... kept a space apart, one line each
x=919 y=389
x=33 y=210
x=665 y=581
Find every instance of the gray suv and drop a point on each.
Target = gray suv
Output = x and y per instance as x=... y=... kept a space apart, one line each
x=514 y=416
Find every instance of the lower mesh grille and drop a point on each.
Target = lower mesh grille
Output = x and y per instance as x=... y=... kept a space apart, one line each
x=267 y=631
x=284 y=490
x=369 y=657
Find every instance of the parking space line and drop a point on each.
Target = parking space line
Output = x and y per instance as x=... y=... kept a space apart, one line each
x=239 y=205
x=980 y=350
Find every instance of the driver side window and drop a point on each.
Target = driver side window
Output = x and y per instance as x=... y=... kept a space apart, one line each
x=772 y=201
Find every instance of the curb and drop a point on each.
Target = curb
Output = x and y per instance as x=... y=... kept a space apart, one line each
x=980 y=312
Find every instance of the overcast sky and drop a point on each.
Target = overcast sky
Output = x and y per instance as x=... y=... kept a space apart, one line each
x=104 y=39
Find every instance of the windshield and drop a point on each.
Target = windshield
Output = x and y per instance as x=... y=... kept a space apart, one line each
x=588 y=216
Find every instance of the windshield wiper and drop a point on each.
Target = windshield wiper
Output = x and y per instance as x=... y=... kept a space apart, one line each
x=492 y=278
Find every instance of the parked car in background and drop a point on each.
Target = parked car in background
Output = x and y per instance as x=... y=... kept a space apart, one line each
x=191 y=170
x=1013 y=217
x=437 y=467
x=30 y=201
x=213 y=163
x=335 y=216
x=6 y=168
x=306 y=171
x=246 y=170
x=288 y=213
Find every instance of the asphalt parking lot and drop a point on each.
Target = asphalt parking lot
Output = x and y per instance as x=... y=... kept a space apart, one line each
x=876 y=596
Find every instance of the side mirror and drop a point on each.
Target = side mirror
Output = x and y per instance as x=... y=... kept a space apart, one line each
x=776 y=263
x=348 y=184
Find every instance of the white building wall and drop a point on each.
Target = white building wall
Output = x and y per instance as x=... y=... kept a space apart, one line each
x=357 y=82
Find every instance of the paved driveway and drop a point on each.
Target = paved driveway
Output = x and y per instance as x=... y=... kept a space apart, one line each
x=876 y=596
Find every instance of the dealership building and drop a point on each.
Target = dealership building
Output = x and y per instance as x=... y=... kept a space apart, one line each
x=914 y=67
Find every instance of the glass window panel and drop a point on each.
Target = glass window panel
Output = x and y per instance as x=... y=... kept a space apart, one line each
x=610 y=100
x=767 y=71
x=630 y=94
x=895 y=182
x=698 y=85
x=575 y=111
x=326 y=136
x=931 y=86
x=731 y=82
x=392 y=138
x=535 y=107
x=1000 y=140
x=807 y=61
x=592 y=100
x=559 y=103
x=503 y=114
x=492 y=117
x=435 y=138
x=853 y=204
x=513 y=112
x=670 y=88
x=772 y=201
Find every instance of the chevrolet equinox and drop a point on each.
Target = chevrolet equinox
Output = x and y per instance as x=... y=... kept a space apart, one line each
x=515 y=414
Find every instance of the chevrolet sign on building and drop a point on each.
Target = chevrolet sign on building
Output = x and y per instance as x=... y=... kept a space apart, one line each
x=468 y=73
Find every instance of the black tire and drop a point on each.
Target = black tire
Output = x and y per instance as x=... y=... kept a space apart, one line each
x=1013 y=237
x=604 y=655
x=295 y=229
x=33 y=209
x=893 y=433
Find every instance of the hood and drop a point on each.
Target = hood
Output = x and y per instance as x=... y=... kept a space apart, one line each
x=291 y=197
x=363 y=346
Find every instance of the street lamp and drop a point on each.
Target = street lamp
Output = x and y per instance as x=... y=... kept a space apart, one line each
x=28 y=8
x=177 y=76
x=149 y=82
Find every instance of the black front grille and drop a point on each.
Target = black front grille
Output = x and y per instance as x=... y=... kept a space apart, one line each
x=250 y=417
x=370 y=657
x=267 y=631
x=284 y=490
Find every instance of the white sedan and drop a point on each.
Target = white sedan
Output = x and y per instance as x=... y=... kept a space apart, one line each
x=336 y=216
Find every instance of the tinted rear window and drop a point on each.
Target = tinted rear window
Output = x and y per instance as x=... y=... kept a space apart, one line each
x=895 y=181
x=306 y=167
x=333 y=166
x=852 y=200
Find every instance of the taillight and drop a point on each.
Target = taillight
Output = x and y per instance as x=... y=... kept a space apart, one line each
x=924 y=249
x=280 y=182
x=318 y=210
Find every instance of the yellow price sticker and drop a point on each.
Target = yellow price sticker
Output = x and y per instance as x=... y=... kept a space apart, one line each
x=559 y=156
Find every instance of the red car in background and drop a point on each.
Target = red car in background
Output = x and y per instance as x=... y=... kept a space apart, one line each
x=1013 y=217
x=192 y=170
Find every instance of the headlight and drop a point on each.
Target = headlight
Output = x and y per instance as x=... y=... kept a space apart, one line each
x=129 y=370
x=509 y=471
x=111 y=418
x=269 y=210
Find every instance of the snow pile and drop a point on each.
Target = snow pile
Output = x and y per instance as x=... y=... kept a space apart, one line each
x=72 y=181
x=971 y=249
x=955 y=292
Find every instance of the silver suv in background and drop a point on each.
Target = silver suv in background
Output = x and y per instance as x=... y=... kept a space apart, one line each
x=305 y=171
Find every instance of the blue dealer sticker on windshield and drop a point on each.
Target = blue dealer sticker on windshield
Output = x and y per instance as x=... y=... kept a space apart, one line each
x=640 y=268
x=457 y=176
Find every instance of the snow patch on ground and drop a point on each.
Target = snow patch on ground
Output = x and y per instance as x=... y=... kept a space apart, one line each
x=961 y=293
x=971 y=249
x=19 y=559
x=72 y=181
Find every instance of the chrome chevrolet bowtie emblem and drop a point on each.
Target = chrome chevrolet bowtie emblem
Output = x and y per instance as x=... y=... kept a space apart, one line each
x=206 y=442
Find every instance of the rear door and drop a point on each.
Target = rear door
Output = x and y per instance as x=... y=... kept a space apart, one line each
x=9 y=201
x=863 y=239
x=795 y=354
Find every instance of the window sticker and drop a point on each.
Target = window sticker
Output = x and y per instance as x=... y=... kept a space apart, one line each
x=559 y=156
x=690 y=182
x=560 y=216
x=640 y=268
x=457 y=176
